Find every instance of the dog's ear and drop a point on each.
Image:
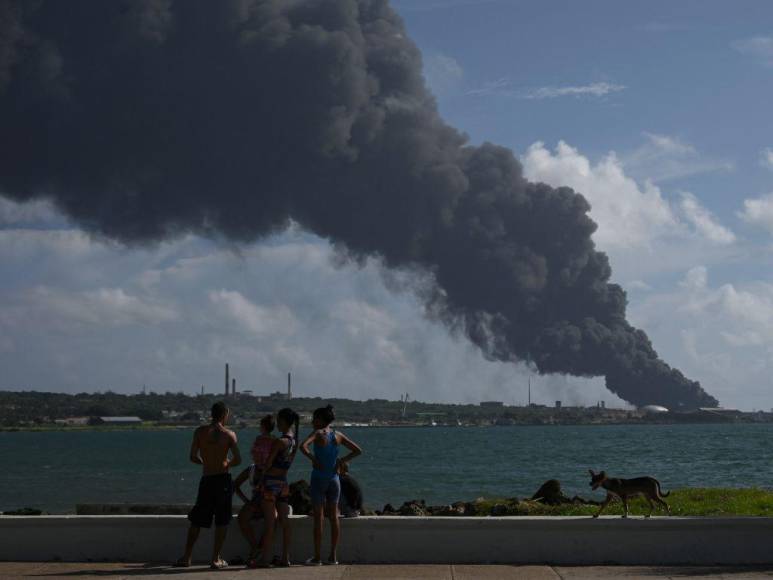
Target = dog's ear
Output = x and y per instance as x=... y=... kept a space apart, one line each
x=591 y=473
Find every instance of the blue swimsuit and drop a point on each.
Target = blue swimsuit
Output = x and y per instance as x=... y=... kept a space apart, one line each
x=325 y=485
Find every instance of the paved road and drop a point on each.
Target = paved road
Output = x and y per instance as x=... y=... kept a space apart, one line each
x=46 y=571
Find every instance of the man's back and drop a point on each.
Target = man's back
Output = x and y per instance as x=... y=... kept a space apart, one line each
x=213 y=442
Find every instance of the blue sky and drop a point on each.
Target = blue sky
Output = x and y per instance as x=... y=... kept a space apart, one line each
x=657 y=112
x=683 y=65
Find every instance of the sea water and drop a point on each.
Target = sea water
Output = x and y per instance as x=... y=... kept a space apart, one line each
x=55 y=470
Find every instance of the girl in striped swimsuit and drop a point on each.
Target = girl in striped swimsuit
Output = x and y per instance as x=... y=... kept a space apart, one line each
x=275 y=491
x=252 y=509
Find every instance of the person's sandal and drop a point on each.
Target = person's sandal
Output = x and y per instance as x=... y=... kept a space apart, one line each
x=313 y=562
x=219 y=565
x=331 y=562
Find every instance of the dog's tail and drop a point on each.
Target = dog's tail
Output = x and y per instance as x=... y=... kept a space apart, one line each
x=660 y=491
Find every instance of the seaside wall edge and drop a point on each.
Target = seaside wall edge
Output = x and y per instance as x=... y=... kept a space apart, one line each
x=577 y=540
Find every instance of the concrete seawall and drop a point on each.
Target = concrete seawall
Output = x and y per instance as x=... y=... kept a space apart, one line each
x=569 y=540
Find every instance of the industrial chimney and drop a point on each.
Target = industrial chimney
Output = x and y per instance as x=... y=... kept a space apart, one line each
x=289 y=387
x=233 y=387
x=226 y=379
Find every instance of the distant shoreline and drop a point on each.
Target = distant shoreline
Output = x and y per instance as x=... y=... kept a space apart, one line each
x=192 y=426
x=39 y=411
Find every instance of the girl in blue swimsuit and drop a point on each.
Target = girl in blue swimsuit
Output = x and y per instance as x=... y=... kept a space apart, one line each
x=325 y=485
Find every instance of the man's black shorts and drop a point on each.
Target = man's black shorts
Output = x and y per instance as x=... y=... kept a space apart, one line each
x=213 y=500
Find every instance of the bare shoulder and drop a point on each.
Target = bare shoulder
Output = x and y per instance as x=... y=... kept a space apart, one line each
x=231 y=435
x=340 y=437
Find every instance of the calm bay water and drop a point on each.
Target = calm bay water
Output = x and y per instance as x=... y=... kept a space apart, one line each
x=56 y=470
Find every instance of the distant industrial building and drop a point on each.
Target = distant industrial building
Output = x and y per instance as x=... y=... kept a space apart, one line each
x=558 y=404
x=492 y=404
x=72 y=421
x=654 y=409
x=230 y=388
x=119 y=420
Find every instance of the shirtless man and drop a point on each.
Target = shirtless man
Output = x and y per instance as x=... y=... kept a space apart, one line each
x=210 y=449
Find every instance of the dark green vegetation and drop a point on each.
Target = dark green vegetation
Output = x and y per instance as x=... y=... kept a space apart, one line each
x=30 y=409
x=715 y=502
x=40 y=410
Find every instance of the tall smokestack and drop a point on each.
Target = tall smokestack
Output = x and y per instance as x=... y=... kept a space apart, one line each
x=289 y=387
x=226 y=379
x=233 y=387
x=241 y=137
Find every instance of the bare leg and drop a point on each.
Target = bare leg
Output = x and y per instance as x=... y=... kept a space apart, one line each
x=193 y=535
x=335 y=530
x=245 y=524
x=220 y=532
x=625 y=506
x=319 y=516
x=269 y=515
x=283 y=514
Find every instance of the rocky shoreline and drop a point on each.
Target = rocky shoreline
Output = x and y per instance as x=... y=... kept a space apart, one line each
x=549 y=494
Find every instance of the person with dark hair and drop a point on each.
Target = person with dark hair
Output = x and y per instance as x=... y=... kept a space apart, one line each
x=351 y=503
x=275 y=491
x=251 y=510
x=325 y=483
x=210 y=449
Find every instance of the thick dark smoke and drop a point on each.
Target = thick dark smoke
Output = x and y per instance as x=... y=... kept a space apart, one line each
x=146 y=119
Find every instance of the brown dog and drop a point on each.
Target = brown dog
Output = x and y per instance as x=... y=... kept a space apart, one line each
x=649 y=487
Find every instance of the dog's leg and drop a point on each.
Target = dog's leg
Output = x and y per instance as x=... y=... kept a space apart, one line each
x=625 y=506
x=665 y=505
x=603 y=505
x=652 y=506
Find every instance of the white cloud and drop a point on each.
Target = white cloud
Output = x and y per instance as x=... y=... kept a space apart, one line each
x=275 y=322
x=101 y=306
x=39 y=212
x=644 y=233
x=426 y=5
x=766 y=158
x=443 y=73
x=757 y=47
x=705 y=223
x=504 y=87
x=721 y=335
x=638 y=285
x=500 y=86
x=627 y=215
x=695 y=278
x=663 y=158
x=590 y=90
x=170 y=318
x=758 y=211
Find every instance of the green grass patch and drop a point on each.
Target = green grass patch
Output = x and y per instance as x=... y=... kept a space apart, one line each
x=715 y=502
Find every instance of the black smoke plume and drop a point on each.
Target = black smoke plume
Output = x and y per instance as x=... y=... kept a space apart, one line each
x=147 y=119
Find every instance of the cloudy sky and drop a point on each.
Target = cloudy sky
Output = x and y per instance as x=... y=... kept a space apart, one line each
x=658 y=114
